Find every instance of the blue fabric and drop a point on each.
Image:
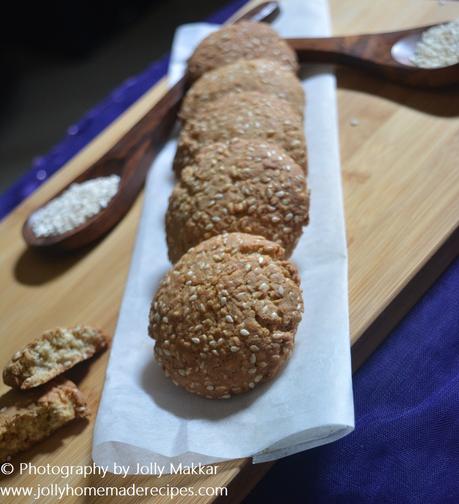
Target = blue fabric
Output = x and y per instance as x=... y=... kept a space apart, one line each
x=95 y=121
x=405 y=448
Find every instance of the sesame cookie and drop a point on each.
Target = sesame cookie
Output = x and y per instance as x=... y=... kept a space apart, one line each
x=244 y=40
x=225 y=317
x=28 y=417
x=265 y=76
x=249 y=186
x=249 y=115
x=51 y=354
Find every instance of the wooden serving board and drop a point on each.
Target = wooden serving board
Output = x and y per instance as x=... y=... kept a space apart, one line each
x=401 y=192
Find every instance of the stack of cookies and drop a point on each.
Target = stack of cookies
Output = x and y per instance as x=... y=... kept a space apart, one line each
x=225 y=317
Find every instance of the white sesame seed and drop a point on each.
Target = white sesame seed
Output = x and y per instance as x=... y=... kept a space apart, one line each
x=73 y=207
x=244 y=332
x=264 y=287
x=254 y=348
x=258 y=378
x=229 y=319
x=210 y=387
x=253 y=358
x=196 y=340
x=234 y=349
x=251 y=385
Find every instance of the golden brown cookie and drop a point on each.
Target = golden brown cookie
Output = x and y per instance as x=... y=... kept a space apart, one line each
x=244 y=40
x=248 y=115
x=262 y=75
x=28 y=417
x=51 y=354
x=249 y=186
x=225 y=317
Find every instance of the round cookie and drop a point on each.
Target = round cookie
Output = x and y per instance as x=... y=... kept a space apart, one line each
x=243 y=40
x=249 y=186
x=225 y=317
x=262 y=75
x=249 y=115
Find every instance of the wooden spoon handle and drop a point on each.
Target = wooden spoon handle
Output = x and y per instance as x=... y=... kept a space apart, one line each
x=353 y=49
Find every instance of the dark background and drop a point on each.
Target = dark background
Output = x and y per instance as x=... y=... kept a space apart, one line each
x=58 y=59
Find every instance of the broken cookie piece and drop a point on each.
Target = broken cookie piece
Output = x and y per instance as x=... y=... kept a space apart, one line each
x=28 y=417
x=51 y=354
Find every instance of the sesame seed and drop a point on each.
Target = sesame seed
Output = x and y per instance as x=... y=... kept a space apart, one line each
x=251 y=385
x=253 y=358
x=254 y=348
x=252 y=371
x=226 y=396
x=193 y=297
x=215 y=218
x=181 y=372
x=210 y=387
x=258 y=378
x=264 y=287
x=262 y=364
x=229 y=319
x=260 y=260
x=244 y=332
x=275 y=219
x=234 y=349
x=195 y=340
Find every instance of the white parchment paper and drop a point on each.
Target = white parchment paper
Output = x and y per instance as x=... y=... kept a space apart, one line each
x=143 y=418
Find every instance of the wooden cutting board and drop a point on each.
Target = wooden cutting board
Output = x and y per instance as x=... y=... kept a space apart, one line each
x=401 y=194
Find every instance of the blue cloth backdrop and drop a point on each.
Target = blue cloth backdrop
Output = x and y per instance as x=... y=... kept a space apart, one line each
x=405 y=448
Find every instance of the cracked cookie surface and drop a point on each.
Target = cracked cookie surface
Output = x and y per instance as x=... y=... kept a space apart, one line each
x=262 y=75
x=248 y=115
x=243 y=40
x=246 y=186
x=225 y=317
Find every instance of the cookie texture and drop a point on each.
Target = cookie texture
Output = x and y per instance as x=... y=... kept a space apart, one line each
x=243 y=40
x=51 y=354
x=225 y=317
x=262 y=75
x=248 y=115
x=248 y=186
x=28 y=417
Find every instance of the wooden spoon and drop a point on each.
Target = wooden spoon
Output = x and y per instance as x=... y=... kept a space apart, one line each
x=130 y=158
x=387 y=54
